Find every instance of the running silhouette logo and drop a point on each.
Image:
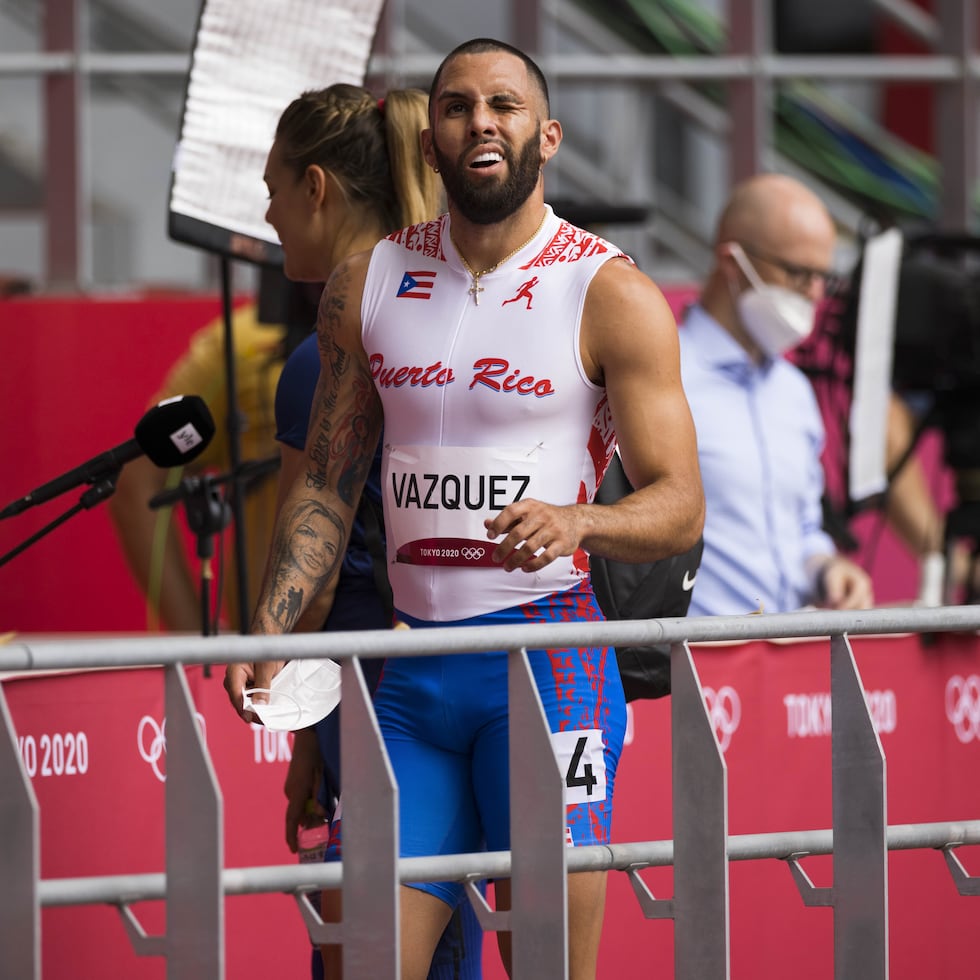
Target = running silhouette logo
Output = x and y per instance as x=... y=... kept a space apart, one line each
x=524 y=293
x=416 y=285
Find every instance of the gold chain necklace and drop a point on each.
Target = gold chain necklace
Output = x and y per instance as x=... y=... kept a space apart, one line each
x=476 y=288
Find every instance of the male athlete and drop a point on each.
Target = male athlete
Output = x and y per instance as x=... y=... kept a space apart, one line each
x=499 y=418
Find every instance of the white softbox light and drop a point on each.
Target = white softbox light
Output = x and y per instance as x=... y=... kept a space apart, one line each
x=250 y=59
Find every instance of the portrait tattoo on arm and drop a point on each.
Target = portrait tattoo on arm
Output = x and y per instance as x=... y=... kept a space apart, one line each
x=288 y=608
x=307 y=553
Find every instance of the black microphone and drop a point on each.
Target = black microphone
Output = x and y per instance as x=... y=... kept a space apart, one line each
x=171 y=433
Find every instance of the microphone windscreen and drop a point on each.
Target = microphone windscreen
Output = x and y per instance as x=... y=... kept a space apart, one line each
x=176 y=430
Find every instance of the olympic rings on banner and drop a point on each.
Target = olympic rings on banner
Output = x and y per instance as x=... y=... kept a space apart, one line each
x=725 y=712
x=151 y=741
x=963 y=706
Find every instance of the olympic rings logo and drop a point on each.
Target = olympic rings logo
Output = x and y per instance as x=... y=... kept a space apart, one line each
x=963 y=706
x=151 y=740
x=725 y=713
x=472 y=554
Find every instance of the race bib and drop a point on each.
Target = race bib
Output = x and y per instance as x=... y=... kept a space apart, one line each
x=437 y=498
x=582 y=760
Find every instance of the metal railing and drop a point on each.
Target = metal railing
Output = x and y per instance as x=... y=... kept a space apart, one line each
x=194 y=883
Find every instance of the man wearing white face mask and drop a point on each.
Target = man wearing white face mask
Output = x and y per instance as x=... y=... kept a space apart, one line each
x=760 y=434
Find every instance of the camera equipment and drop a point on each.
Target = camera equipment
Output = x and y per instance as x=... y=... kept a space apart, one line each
x=936 y=360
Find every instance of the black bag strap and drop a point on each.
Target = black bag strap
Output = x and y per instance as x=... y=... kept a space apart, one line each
x=643 y=590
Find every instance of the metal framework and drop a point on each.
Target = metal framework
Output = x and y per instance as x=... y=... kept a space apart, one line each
x=748 y=69
x=194 y=882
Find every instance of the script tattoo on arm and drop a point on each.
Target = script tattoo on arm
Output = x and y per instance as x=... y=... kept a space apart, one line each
x=333 y=364
x=345 y=409
x=352 y=447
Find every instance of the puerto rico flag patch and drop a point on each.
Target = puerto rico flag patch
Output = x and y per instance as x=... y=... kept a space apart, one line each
x=416 y=285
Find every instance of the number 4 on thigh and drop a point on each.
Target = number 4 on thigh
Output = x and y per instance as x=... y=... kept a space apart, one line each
x=582 y=760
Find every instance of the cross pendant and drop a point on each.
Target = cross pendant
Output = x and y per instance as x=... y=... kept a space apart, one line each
x=475 y=291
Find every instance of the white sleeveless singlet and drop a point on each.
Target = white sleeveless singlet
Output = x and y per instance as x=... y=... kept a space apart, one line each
x=485 y=402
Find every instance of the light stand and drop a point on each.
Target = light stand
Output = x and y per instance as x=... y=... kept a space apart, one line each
x=234 y=417
x=250 y=59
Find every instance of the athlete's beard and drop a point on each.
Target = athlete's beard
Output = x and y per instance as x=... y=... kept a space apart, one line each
x=486 y=202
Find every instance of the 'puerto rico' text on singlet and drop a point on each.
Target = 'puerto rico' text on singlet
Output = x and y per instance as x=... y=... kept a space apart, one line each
x=484 y=404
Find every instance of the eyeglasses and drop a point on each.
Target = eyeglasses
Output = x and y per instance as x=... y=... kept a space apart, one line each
x=799 y=278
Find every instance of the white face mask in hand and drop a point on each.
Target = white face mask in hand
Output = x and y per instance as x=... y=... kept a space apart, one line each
x=775 y=317
x=302 y=693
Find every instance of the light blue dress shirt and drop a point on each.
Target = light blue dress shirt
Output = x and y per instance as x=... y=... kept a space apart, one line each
x=760 y=436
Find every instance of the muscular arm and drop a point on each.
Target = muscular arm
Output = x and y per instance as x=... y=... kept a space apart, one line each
x=629 y=345
x=316 y=513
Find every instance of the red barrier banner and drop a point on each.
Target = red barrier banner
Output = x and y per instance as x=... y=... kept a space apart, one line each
x=94 y=744
x=770 y=704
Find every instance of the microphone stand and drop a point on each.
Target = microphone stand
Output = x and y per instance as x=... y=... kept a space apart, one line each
x=102 y=489
x=209 y=513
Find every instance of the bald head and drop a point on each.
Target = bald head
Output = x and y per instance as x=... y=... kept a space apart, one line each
x=779 y=216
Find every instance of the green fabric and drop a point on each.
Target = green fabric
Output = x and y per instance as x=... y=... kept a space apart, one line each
x=822 y=134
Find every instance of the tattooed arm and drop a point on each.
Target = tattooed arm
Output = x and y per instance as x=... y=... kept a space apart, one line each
x=314 y=520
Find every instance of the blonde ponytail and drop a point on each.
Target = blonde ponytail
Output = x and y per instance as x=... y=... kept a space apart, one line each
x=371 y=146
x=416 y=187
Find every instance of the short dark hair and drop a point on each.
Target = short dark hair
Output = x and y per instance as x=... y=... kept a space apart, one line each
x=483 y=45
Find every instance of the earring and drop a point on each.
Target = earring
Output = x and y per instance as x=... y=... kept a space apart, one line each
x=435 y=170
